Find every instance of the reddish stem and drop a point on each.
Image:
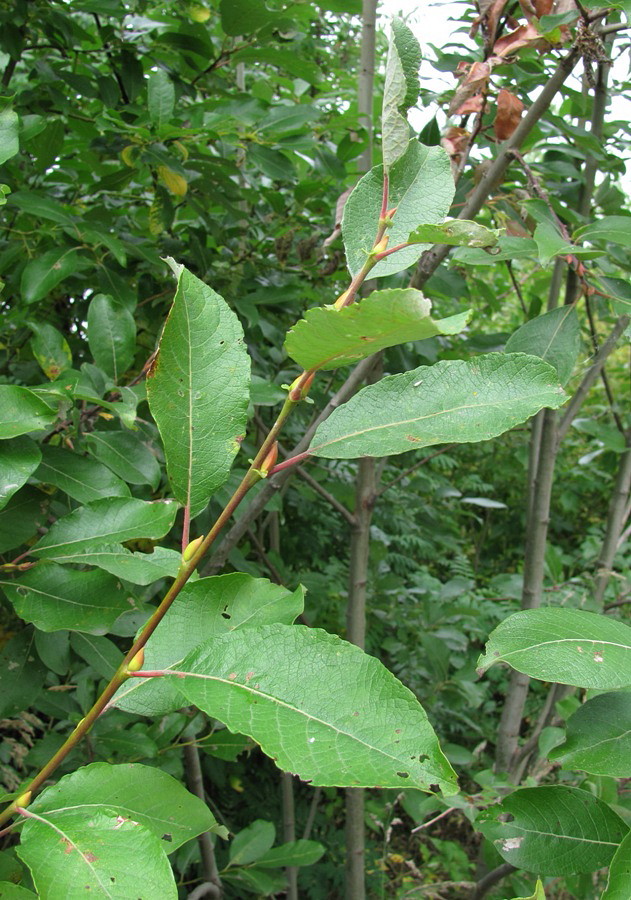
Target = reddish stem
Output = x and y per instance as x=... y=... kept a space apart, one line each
x=292 y=461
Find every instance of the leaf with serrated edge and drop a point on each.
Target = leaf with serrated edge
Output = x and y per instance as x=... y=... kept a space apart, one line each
x=214 y=605
x=421 y=189
x=328 y=337
x=568 y=646
x=598 y=736
x=115 y=520
x=198 y=390
x=286 y=686
x=456 y=232
x=110 y=856
x=453 y=401
x=554 y=337
x=553 y=830
x=142 y=793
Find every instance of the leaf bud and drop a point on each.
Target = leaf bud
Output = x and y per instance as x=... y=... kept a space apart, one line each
x=339 y=303
x=270 y=460
x=298 y=391
x=189 y=551
x=137 y=662
x=23 y=800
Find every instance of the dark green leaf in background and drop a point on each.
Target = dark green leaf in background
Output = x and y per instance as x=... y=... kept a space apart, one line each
x=19 y=458
x=50 y=349
x=111 y=335
x=619 y=873
x=45 y=272
x=82 y=478
x=127 y=455
x=554 y=337
x=198 y=390
x=598 y=737
x=21 y=671
x=22 y=411
x=9 y=140
x=161 y=94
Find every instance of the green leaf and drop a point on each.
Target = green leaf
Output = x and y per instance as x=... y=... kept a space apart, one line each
x=53 y=597
x=127 y=455
x=111 y=335
x=619 y=290
x=553 y=830
x=456 y=232
x=598 y=736
x=400 y=91
x=80 y=477
x=140 y=793
x=50 y=349
x=252 y=842
x=287 y=60
x=22 y=673
x=215 y=605
x=22 y=411
x=551 y=243
x=569 y=646
x=107 y=855
x=18 y=460
x=99 y=652
x=138 y=568
x=9 y=140
x=20 y=519
x=198 y=390
x=554 y=337
x=53 y=649
x=608 y=230
x=161 y=96
x=507 y=248
x=286 y=686
x=421 y=188
x=45 y=272
x=538 y=894
x=619 y=872
x=252 y=880
x=453 y=401
x=105 y=521
x=244 y=16
x=295 y=853
x=328 y=337
x=42 y=207
x=9 y=891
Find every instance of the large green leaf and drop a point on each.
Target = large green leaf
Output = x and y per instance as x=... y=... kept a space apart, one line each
x=328 y=337
x=569 y=646
x=99 y=652
x=10 y=891
x=251 y=842
x=598 y=737
x=619 y=883
x=127 y=455
x=18 y=460
x=44 y=273
x=22 y=411
x=20 y=519
x=400 y=92
x=244 y=16
x=161 y=97
x=138 y=568
x=456 y=232
x=50 y=349
x=102 y=854
x=454 y=401
x=54 y=597
x=421 y=188
x=210 y=606
x=9 y=140
x=287 y=687
x=295 y=853
x=80 y=477
x=140 y=793
x=554 y=337
x=198 y=390
x=111 y=335
x=553 y=830
x=115 y=520
x=608 y=230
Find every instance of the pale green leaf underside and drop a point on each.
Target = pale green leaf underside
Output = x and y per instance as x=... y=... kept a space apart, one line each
x=568 y=646
x=142 y=793
x=456 y=232
x=598 y=737
x=400 y=91
x=327 y=337
x=110 y=857
x=453 y=401
x=554 y=337
x=421 y=188
x=619 y=882
x=215 y=605
x=198 y=391
x=319 y=706
x=107 y=521
x=554 y=830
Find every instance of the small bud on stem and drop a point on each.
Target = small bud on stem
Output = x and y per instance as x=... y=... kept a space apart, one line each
x=189 y=551
x=269 y=461
x=138 y=661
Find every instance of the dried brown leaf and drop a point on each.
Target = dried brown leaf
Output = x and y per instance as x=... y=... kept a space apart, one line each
x=509 y=110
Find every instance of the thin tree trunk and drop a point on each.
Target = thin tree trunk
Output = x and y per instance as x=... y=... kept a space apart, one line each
x=289 y=830
x=212 y=886
x=615 y=524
